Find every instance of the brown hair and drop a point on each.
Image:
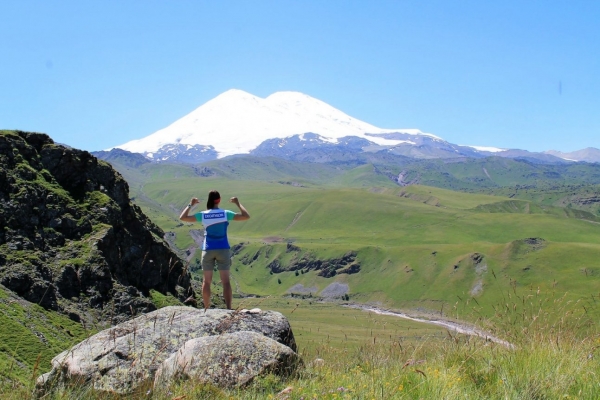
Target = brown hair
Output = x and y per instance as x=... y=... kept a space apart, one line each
x=212 y=196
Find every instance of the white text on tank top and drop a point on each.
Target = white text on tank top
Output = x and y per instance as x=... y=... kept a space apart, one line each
x=212 y=217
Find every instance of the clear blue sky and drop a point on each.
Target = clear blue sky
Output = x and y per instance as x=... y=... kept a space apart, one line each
x=516 y=74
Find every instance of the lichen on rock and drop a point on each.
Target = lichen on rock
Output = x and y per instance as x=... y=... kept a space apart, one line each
x=124 y=357
x=227 y=360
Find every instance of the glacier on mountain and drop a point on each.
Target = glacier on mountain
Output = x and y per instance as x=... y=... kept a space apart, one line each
x=236 y=122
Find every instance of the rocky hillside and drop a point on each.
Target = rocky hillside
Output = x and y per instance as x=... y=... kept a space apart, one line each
x=71 y=240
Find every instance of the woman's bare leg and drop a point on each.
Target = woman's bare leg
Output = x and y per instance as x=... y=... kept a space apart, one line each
x=206 y=281
x=227 y=292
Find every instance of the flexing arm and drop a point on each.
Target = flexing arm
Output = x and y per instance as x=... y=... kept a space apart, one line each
x=243 y=214
x=184 y=214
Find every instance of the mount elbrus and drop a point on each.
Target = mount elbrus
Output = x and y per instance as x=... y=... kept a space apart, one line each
x=70 y=238
x=294 y=126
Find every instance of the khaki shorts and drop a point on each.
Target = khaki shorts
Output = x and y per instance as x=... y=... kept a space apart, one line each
x=222 y=257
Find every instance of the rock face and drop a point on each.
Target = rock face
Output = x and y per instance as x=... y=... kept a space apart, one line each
x=228 y=360
x=122 y=358
x=305 y=261
x=71 y=240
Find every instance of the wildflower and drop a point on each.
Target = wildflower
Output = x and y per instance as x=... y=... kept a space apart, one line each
x=400 y=388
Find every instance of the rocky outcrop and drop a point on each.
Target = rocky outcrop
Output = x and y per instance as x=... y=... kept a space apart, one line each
x=228 y=360
x=71 y=240
x=303 y=261
x=122 y=358
x=346 y=264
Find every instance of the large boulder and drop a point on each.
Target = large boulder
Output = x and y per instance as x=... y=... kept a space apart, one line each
x=228 y=360
x=122 y=358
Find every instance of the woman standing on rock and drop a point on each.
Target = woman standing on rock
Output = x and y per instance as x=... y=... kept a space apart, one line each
x=215 y=248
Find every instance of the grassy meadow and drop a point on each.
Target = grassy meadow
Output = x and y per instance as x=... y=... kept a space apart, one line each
x=23 y=356
x=351 y=354
x=522 y=269
x=415 y=244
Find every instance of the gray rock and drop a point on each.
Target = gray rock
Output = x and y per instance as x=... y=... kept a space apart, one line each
x=335 y=289
x=125 y=356
x=71 y=239
x=301 y=289
x=228 y=360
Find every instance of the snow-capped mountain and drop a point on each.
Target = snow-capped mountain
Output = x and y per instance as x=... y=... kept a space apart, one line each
x=298 y=127
x=589 y=154
x=311 y=147
x=236 y=122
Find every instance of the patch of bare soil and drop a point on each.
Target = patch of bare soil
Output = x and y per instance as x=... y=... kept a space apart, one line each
x=273 y=239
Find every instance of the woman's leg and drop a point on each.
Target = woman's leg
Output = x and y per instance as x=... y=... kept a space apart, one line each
x=227 y=292
x=206 y=281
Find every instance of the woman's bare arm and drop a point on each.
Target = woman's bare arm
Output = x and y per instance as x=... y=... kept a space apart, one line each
x=184 y=214
x=243 y=214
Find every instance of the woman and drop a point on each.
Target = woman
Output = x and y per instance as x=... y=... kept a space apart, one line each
x=215 y=248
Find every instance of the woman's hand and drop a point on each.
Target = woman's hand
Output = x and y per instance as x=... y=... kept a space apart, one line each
x=243 y=214
x=184 y=214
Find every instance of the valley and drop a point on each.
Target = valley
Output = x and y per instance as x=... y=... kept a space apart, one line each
x=322 y=236
x=418 y=248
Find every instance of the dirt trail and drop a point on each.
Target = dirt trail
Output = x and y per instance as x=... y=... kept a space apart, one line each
x=453 y=326
x=488 y=175
x=296 y=218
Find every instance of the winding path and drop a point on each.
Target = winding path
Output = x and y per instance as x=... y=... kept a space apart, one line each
x=454 y=326
x=296 y=218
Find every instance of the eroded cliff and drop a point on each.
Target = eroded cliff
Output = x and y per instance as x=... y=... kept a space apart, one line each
x=70 y=238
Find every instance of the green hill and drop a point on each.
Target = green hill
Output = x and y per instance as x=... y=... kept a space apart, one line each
x=417 y=246
x=566 y=185
x=30 y=337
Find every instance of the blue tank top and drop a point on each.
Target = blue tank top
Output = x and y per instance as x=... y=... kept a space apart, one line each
x=215 y=223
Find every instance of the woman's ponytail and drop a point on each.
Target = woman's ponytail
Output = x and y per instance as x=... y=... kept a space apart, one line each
x=212 y=196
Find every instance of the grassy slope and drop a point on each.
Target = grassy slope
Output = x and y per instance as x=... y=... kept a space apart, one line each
x=355 y=355
x=321 y=323
x=28 y=332
x=571 y=185
x=583 y=197
x=498 y=171
x=396 y=247
x=394 y=230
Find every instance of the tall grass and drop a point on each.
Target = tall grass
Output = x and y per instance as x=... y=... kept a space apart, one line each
x=553 y=356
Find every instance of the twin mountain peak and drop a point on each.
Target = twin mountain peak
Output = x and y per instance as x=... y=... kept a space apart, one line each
x=292 y=125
